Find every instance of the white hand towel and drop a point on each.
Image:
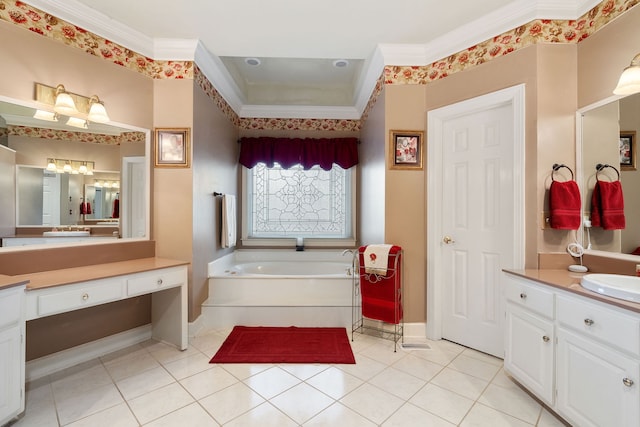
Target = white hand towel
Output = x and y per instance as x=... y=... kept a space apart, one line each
x=228 y=231
x=376 y=259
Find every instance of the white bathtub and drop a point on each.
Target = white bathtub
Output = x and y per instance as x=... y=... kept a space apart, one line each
x=280 y=288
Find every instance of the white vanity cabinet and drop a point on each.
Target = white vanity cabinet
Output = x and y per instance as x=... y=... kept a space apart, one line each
x=529 y=352
x=578 y=355
x=12 y=352
x=598 y=364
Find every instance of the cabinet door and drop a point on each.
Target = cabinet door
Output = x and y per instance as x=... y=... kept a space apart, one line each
x=529 y=351
x=11 y=399
x=596 y=385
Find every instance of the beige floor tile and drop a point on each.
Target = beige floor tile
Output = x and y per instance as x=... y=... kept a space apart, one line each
x=160 y=402
x=74 y=406
x=339 y=415
x=365 y=368
x=191 y=415
x=398 y=383
x=461 y=383
x=483 y=416
x=335 y=382
x=146 y=381
x=302 y=402
x=188 y=366
x=116 y=416
x=231 y=402
x=124 y=367
x=475 y=367
x=265 y=415
x=411 y=416
x=512 y=401
x=304 y=371
x=372 y=403
x=208 y=382
x=418 y=367
x=443 y=403
x=271 y=382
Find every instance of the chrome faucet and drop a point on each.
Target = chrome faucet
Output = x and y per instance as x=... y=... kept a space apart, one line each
x=347 y=251
x=299 y=244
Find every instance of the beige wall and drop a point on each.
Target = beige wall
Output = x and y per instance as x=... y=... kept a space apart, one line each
x=215 y=168
x=371 y=176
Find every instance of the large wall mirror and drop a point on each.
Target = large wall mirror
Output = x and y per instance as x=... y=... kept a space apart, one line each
x=103 y=194
x=609 y=132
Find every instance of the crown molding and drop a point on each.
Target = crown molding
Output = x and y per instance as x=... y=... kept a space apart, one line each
x=368 y=79
x=299 y=112
x=98 y=23
x=214 y=70
x=28 y=121
x=175 y=49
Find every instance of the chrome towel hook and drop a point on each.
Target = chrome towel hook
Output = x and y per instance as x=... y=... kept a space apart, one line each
x=557 y=166
x=600 y=167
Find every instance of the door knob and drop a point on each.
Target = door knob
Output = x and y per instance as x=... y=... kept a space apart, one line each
x=448 y=240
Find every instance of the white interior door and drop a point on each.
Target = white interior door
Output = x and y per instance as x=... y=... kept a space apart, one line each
x=478 y=231
x=51 y=199
x=133 y=197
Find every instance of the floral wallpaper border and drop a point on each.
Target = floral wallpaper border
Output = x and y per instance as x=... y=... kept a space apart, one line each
x=538 y=31
x=63 y=135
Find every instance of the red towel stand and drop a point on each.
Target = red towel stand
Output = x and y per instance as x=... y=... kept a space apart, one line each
x=377 y=299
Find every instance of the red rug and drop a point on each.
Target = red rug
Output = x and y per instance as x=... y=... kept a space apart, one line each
x=285 y=345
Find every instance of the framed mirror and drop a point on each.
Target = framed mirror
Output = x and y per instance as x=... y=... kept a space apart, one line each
x=603 y=128
x=104 y=193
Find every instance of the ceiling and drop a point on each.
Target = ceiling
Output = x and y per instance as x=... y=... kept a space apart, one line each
x=297 y=42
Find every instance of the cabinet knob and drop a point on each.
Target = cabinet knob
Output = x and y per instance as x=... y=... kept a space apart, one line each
x=545 y=338
x=627 y=381
x=85 y=296
x=159 y=282
x=588 y=322
x=523 y=296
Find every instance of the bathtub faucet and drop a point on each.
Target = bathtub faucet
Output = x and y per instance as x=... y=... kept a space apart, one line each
x=347 y=251
x=299 y=244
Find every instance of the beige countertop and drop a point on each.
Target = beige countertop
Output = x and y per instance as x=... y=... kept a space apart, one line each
x=9 y=281
x=67 y=276
x=569 y=281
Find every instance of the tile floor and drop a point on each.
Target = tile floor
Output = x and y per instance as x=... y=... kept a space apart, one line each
x=153 y=384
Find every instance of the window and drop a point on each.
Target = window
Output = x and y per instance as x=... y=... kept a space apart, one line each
x=290 y=203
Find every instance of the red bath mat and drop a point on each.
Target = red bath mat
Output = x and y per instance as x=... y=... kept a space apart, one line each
x=285 y=345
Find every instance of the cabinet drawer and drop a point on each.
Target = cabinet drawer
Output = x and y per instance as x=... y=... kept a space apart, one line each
x=11 y=306
x=602 y=323
x=524 y=294
x=79 y=296
x=155 y=280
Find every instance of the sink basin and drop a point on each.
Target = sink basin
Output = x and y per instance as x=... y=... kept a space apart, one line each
x=65 y=233
x=613 y=285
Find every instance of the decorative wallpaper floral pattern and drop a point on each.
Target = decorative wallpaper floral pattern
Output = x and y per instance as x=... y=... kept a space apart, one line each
x=538 y=31
x=47 y=25
x=63 y=135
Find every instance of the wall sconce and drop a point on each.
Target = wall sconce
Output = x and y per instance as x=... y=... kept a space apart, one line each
x=629 y=82
x=81 y=108
x=71 y=166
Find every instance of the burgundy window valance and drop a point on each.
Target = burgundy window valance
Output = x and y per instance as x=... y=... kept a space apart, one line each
x=307 y=152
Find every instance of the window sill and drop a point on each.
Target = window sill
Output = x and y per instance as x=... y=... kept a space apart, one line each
x=291 y=242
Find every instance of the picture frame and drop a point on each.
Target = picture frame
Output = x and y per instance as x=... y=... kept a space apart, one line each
x=407 y=149
x=627 y=147
x=172 y=147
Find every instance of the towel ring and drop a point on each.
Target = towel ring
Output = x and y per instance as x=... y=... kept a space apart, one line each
x=557 y=166
x=600 y=167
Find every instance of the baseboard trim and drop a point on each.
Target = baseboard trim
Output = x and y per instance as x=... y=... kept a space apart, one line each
x=64 y=359
x=196 y=326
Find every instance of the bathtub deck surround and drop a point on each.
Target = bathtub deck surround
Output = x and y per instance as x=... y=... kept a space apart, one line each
x=280 y=288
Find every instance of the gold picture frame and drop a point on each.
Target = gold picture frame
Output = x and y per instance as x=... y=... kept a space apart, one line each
x=172 y=147
x=406 y=149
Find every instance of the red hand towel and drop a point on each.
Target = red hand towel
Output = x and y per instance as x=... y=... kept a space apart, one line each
x=88 y=208
x=607 y=206
x=116 y=209
x=83 y=208
x=564 y=205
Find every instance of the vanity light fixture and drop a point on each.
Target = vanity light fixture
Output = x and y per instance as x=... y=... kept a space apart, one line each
x=97 y=112
x=77 y=123
x=64 y=103
x=79 y=107
x=46 y=115
x=74 y=167
x=629 y=82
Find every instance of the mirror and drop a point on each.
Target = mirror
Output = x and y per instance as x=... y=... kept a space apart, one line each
x=112 y=198
x=609 y=130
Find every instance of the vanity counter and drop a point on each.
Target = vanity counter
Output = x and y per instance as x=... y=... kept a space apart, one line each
x=569 y=281
x=68 y=276
x=9 y=281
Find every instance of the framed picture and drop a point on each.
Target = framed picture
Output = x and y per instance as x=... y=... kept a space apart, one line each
x=406 y=149
x=172 y=147
x=627 y=150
